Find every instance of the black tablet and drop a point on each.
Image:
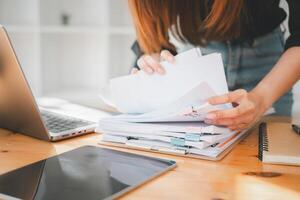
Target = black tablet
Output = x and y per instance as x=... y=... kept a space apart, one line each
x=85 y=173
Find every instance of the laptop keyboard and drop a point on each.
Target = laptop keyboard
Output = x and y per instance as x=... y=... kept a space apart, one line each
x=57 y=123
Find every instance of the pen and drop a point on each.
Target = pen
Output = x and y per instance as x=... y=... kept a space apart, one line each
x=296 y=128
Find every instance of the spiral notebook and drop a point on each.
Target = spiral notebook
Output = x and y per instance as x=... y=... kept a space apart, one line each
x=278 y=144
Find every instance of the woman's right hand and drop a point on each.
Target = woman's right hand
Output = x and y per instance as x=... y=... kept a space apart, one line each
x=150 y=63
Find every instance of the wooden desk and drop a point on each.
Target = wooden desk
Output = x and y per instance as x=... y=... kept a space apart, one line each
x=240 y=175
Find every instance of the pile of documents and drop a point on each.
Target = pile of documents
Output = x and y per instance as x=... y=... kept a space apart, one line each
x=165 y=113
x=179 y=138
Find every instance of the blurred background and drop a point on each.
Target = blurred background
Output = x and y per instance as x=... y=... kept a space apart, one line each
x=70 y=48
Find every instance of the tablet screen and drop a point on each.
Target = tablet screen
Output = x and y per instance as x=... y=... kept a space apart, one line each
x=84 y=173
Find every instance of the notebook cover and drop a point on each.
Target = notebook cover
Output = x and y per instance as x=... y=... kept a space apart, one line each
x=278 y=144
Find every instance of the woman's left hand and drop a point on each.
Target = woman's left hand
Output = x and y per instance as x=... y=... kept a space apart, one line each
x=247 y=111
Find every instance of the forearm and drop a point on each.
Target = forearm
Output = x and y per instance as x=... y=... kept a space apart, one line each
x=280 y=79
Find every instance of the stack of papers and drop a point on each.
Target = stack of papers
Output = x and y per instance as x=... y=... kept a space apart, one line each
x=165 y=113
x=181 y=138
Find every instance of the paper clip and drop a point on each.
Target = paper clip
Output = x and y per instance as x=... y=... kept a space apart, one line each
x=178 y=142
x=192 y=137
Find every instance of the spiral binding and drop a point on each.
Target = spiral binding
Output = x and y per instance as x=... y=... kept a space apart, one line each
x=263 y=142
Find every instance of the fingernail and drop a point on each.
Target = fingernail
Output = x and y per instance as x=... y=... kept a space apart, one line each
x=210 y=116
x=134 y=71
x=149 y=70
x=172 y=59
x=160 y=70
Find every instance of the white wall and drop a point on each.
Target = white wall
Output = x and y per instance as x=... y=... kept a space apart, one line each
x=74 y=60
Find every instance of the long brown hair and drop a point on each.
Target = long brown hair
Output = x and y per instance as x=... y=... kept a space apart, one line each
x=193 y=21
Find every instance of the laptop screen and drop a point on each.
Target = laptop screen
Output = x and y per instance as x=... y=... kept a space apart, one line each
x=84 y=173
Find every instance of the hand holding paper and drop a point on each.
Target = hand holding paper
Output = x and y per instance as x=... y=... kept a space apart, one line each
x=247 y=112
x=141 y=93
x=150 y=63
x=163 y=112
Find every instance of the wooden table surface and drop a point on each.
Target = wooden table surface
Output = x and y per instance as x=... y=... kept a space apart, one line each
x=240 y=175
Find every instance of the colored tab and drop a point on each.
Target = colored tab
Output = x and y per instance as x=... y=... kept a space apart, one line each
x=192 y=137
x=178 y=142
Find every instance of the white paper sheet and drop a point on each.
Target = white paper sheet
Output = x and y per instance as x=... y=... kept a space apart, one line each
x=161 y=128
x=176 y=111
x=178 y=130
x=141 y=93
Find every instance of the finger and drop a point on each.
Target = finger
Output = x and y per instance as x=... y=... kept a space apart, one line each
x=229 y=113
x=154 y=64
x=246 y=118
x=225 y=122
x=134 y=71
x=166 y=55
x=240 y=127
x=221 y=122
x=233 y=128
x=228 y=98
x=144 y=66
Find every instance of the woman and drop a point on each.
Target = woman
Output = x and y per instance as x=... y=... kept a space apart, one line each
x=260 y=68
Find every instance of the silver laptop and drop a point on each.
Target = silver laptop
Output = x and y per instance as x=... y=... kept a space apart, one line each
x=18 y=109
